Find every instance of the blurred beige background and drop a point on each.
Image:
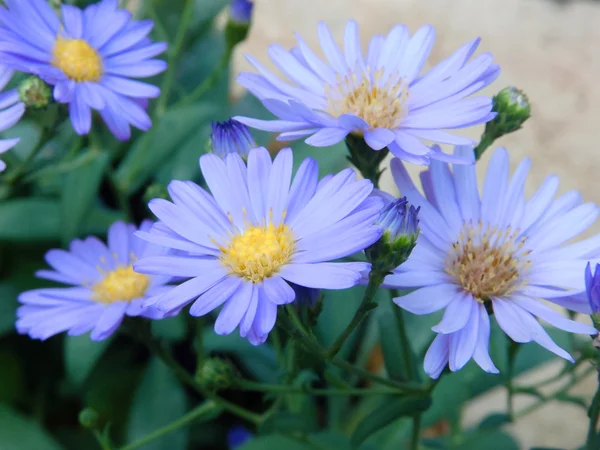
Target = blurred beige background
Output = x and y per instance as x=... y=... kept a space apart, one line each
x=549 y=50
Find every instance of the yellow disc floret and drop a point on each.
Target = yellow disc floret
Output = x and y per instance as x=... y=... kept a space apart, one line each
x=77 y=59
x=382 y=104
x=122 y=284
x=258 y=252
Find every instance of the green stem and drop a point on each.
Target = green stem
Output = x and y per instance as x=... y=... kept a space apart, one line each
x=416 y=432
x=102 y=440
x=406 y=349
x=173 y=54
x=208 y=82
x=206 y=408
x=593 y=413
x=246 y=385
x=314 y=347
x=512 y=354
x=21 y=170
x=142 y=333
x=558 y=393
x=486 y=140
x=367 y=304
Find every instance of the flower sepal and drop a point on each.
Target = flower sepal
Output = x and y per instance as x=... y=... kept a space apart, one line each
x=364 y=158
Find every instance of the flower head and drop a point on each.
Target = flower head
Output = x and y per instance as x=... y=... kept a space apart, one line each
x=399 y=220
x=498 y=250
x=256 y=233
x=89 y=56
x=103 y=287
x=240 y=11
x=231 y=137
x=592 y=287
x=11 y=111
x=381 y=97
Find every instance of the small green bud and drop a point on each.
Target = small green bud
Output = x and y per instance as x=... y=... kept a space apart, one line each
x=88 y=418
x=216 y=374
x=513 y=108
x=238 y=25
x=400 y=225
x=34 y=92
x=156 y=190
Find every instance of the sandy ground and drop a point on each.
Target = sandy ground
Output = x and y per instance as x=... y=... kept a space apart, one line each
x=548 y=50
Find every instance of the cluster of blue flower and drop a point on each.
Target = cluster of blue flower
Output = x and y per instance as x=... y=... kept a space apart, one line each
x=260 y=234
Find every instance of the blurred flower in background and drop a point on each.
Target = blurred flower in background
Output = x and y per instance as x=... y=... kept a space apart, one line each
x=11 y=111
x=381 y=97
x=499 y=251
x=258 y=231
x=240 y=11
x=89 y=57
x=104 y=288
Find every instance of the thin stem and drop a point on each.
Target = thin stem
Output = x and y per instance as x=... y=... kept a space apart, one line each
x=173 y=54
x=102 y=440
x=290 y=389
x=486 y=140
x=205 y=408
x=558 y=393
x=416 y=432
x=20 y=171
x=512 y=354
x=406 y=349
x=593 y=413
x=366 y=305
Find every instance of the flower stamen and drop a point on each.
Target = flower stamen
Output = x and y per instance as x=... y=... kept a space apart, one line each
x=77 y=59
x=122 y=284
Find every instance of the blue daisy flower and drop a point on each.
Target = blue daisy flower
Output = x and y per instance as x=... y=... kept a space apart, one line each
x=382 y=97
x=11 y=111
x=256 y=233
x=498 y=250
x=89 y=56
x=231 y=136
x=104 y=288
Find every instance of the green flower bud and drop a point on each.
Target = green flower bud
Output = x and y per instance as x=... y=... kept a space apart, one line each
x=513 y=108
x=34 y=92
x=88 y=418
x=216 y=374
x=400 y=225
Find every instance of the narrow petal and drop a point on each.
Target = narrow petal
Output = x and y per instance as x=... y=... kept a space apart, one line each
x=436 y=358
x=324 y=275
x=428 y=299
x=278 y=291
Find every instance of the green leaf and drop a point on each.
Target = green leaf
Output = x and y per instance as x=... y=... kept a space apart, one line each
x=8 y=307
x=79 y=191
x=18 y=432
x=578 y=401
x=389 y=413
x=29 y=134
x=493 y=421
x=81 y=355
x=286 y=422
x=38 y=219
x=159 y=400
x=260 y=360
x=274 y=442
x=153 y=148
x=528 y=391
x=172 y=329
x=479 y=440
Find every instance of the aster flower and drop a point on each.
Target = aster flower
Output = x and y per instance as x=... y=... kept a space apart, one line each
x=11 y=111
x=103 y=287
x=256 y=233
x=231 y=136
x=498 y=250
x=592 y=287
x=381 y=97
x=90 y=57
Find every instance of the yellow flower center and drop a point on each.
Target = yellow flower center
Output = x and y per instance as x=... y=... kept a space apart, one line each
x=122 y=284
x=77 y=59
x=258 y=252
x=489 y=262
x=380 y=104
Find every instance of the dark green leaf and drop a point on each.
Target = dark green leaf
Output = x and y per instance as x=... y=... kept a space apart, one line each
x=493 y=421
x=479 y=440
x=159 y=400
x=38 y=219
x=285 y=422
x=8 y=306
x=81 y=355
x=546 y=448
x=387 y=414
x=20 y=433
x=172 y=328
x=528 y=391
x=151 y=150
x=578 y=401
x=79 y=191
x=274 y=442
x=29 y=134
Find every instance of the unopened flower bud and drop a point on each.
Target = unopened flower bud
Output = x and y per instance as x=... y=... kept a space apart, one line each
x=34 y=92
x=231 y=137
x=237 y=436
x=238 y=25
x=156 y=190
x=216 y=374
x=400 y=224
x=592 y=287
x=88 y=418
x=513 y=108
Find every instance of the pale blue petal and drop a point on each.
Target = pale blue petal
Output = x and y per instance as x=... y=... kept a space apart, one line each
x=324 y=275
x=427 y=299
